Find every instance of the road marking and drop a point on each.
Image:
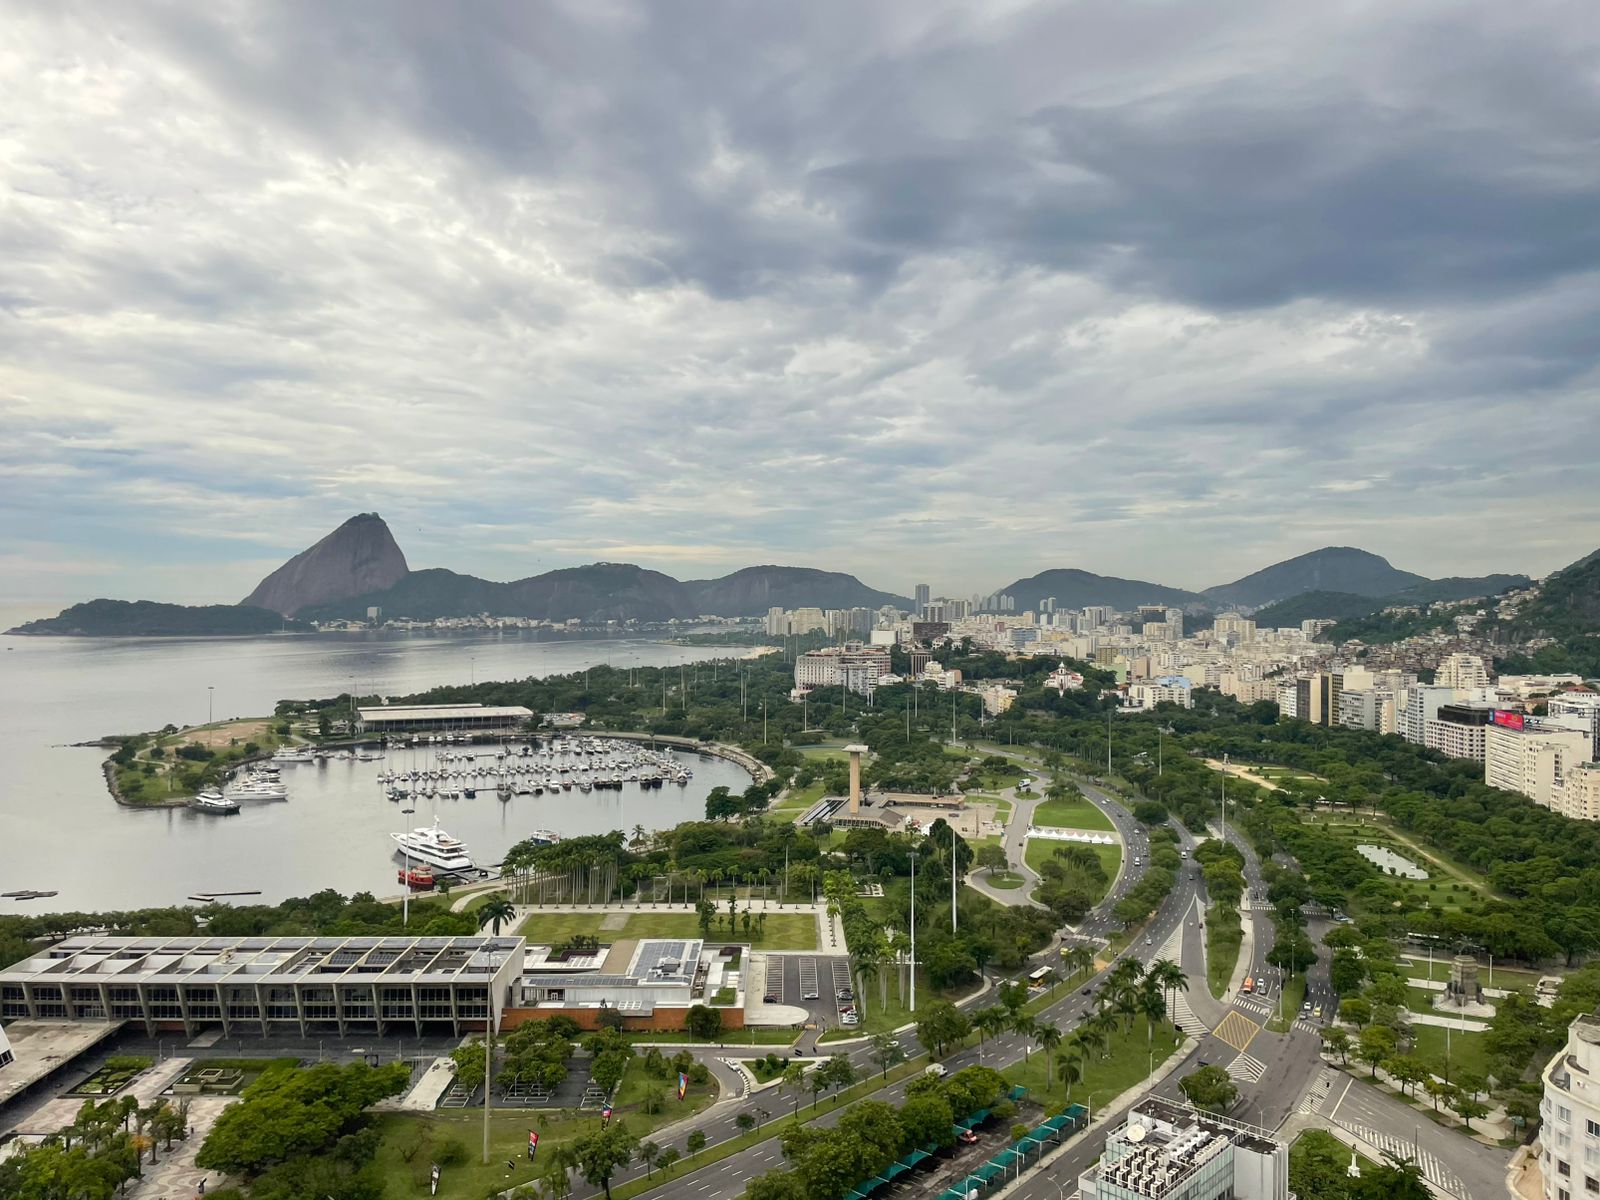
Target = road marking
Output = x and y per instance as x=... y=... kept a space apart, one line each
x=1246 y=1069
x=1433 y=1170
x=1237 y=1030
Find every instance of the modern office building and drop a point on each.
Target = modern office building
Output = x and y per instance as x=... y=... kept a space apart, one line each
x=923 y=593
x=261 y=985
x=1168 y=1151
x=1459 y=731
x=436 y=718
x=347 y=987
x=1569 y=1157
x=6 y=1057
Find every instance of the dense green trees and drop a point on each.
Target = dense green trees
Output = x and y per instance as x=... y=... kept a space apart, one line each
x=827 y=1163
x=300 y=1127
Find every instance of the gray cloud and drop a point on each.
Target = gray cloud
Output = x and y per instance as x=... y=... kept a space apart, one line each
x=950 y=291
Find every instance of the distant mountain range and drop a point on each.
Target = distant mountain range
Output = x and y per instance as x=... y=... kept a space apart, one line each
x=1344 y=606
x=359 y=566
x=1342 y=580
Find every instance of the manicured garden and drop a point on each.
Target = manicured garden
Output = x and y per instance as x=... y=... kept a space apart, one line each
x=1072 y=814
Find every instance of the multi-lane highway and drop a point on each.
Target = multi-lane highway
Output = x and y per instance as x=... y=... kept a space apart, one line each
x=1279 y=1075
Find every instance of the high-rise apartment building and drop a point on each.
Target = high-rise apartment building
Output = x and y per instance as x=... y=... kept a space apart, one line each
x=1570 y=1139
x=1523 y=754
x=1233 y=626
x=922 y=594
x=1578 y=709
x=1419 y=705
x=1461 y=671
x=777 y=623
x=854 y=666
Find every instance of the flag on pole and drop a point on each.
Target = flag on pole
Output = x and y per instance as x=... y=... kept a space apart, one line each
x=605 y=1114
x=683 y=1084
x=533 y=1142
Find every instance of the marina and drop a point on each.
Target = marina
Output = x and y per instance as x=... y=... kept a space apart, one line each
x=64 y=832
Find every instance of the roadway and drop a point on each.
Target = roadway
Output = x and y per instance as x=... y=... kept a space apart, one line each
x=1281 y=1077
x=726 y=1178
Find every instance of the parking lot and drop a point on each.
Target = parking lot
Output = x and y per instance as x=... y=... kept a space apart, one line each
x=792 y=978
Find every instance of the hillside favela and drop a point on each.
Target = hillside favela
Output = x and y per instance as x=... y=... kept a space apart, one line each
x=830 y=602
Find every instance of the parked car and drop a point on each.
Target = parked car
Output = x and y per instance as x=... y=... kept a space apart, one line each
x=769 y=998
x=811 y=996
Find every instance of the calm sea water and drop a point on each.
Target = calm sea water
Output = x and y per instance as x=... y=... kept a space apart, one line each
x=61 y=831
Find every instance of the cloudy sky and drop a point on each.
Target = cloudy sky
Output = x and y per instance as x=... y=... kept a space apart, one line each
x=952 y=292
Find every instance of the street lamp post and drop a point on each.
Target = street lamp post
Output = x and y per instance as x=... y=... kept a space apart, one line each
x=488 y=1056
x=211 y=693
x=913 y=931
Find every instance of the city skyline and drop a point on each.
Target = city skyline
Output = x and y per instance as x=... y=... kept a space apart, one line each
x=917 y=292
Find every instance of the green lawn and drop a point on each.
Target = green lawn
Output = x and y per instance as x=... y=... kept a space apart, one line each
x=1003 y=880
x=1467 y=1051
x=826 y=753
x=1104 y=1079
x=785 y=930
x=796 y=803
x=1071 y=814
x=1224 y=936
x=1039 y=849
x=419 y=1137
x=1504 y=977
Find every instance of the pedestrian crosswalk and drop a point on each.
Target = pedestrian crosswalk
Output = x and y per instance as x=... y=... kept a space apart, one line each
x=1254 y=1004
x=1434 y=1171
x=1245 y=1069
x=1306 y=1026
x=1183 y=1016
x=1317 y=1095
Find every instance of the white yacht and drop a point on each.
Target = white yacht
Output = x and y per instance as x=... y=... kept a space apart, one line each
x=434 y=846
x=213 y=801
x=293 y=754
x=258 y=787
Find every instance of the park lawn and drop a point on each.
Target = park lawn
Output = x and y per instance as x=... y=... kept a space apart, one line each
x=785 y=930
x=508 y=1139
x=1039 y=849
x=1467 y=1051
x=1504 y=977
x=1004 y=880
x=1379 y=831
x=834 y=753
x=1104 y=1079
x=1072 y=814
x=795 y=804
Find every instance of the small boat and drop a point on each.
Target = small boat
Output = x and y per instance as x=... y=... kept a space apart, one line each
x=417 y=878
x=212 y=801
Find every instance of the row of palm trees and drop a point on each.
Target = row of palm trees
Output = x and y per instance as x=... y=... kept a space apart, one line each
x=1130 y=990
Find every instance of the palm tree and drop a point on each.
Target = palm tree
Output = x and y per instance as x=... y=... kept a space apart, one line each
x=640 y=836
x=1048 y=1037
x=497 y=909
x=1152 y=1002
x=992 y=1021
x=1070 y=1069
x=1023 y=1024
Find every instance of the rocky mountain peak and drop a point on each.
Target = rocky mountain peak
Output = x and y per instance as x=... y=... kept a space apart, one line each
x=360 y=556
